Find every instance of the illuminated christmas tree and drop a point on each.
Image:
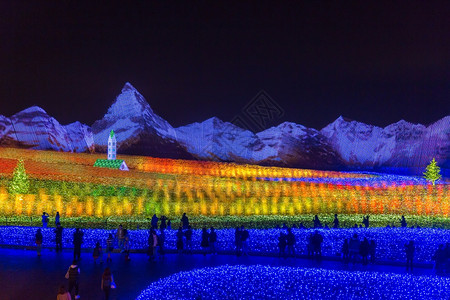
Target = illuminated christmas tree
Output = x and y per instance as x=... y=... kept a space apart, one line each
x=19 y=183
x=432 y=172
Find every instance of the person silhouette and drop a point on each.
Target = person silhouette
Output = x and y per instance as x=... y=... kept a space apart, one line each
x=336 y=221
x=290 y=242
x=366 y=221
x=403 y=222
x=185 y=221
x=345 y=252
x=409 y=250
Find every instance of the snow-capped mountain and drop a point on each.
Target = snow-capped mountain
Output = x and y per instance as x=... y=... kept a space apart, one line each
x=343 y=144
x=138 y=129
x=402 y=145
x=291 y=144
x=34 y=128
x=214 y=139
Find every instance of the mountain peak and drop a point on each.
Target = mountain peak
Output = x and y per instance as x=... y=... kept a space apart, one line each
x=31 y=110
x=128 y=87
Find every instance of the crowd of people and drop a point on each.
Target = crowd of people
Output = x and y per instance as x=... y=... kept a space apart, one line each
x=353 y=249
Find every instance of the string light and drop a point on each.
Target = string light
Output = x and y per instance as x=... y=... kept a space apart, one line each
x=268 y=282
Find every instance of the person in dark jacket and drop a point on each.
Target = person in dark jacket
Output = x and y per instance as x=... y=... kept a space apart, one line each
x=163 y=224
x=152 y=244
x=316 y=221
x=58 y=237
x=238 y=241
x=403 y=222
x=317 y=240
x=97 y=253
x=107 y=281
x=188 y=235
x=185 y=221
x=77 y=241
x=364 y=249
x=366 y=221
x=244 y=240
x=73 y=274
x=212 y=241
x=154 y=222
x=290 y=242
x=336 y=221
x=205 y=241
x=109 y=247
x=38 y=239
x=409 y=251
x=353 y=246
x=345 y=252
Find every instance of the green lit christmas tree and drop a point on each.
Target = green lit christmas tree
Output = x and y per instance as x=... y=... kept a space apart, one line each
x=433 y=172
x=19 y=183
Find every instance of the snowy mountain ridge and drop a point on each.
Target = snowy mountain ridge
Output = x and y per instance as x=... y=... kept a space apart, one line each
x=343 y=144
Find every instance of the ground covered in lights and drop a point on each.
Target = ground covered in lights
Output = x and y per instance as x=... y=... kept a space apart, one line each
x=266 y=282
x=390 y=241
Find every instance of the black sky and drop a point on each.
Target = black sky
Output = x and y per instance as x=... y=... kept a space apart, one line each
x=370 y=61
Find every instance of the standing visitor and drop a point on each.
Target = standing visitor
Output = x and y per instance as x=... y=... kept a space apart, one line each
x=364 y=249
x=366 y=221
x=97 y=253
x=317 y=240
x=185 y=221
x=45 y=219
x=38 y=239
x=403 y=222
x=77 y=241
x=316 y=221
x=126 y=244
x=345 y=252
x=63 y=294
x=212 y=241
x=409 y=250
x=57 y=218
x=353 y=246
x=163 y=220
x=205 y=241
x=336 y=221
x=120 y=237
x=58 y=236
x=154 y=222
x=188 y=236
x=152 y=244
x=109 y=247
x=107 y=283
x=290 y=242
x=237 y=241
x=244 y=236
x=73 y=274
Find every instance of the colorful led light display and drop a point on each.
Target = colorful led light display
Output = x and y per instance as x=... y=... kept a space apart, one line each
x=390 y=241
x=70 y=184
x=267 y=282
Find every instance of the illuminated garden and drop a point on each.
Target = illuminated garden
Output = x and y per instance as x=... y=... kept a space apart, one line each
x=220 y=194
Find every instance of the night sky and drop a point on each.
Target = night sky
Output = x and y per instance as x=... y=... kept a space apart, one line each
x=369 y=61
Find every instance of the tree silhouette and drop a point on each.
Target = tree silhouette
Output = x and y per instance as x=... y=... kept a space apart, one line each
x=432 y=172
x=19 y=183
